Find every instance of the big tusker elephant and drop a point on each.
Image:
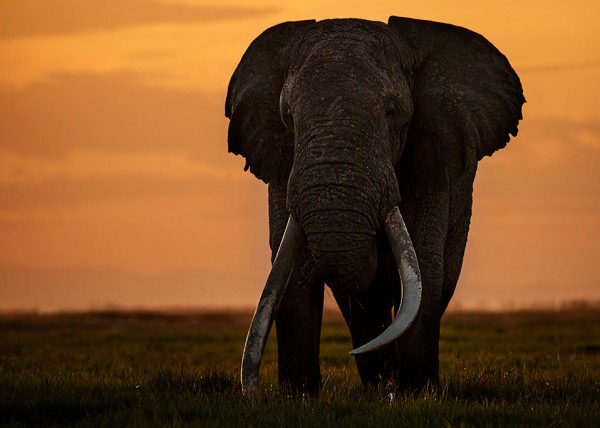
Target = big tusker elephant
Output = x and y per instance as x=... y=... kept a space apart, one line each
x=368 y=136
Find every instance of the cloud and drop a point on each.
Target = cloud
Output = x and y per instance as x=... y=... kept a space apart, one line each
x=558 y=67
x=571 y=133
x=81 y=138
x=549 y=170
x=59 y=17
x=549 y=144
x=84 y=288
x=136 y=223
x=83 y=165
x=110 y=112
x=132 y=188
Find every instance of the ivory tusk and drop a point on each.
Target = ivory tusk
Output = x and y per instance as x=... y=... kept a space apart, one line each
x=268 y=305
x=408 y=268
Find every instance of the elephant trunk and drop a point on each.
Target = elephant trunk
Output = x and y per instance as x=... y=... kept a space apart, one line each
x=339 y=232
x=346 y=260
x=340 y=193
x=337 y=202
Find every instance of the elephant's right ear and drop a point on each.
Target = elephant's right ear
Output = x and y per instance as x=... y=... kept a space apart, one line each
x=467 y=98
x=256 y=130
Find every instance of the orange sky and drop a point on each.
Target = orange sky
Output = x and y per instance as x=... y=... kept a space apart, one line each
x=116 y=188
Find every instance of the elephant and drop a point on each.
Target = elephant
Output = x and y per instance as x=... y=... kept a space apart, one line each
x=368 y=136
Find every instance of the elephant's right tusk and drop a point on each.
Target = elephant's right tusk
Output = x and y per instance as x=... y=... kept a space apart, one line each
x=408 y=267
x=290 y=246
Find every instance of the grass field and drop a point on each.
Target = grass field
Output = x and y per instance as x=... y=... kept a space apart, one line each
x=158 y=369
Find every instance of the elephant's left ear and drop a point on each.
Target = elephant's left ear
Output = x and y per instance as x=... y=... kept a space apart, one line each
x=252 y=105
x=466 y=95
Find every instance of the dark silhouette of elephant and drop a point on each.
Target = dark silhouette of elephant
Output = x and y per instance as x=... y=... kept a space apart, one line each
x=368 y=135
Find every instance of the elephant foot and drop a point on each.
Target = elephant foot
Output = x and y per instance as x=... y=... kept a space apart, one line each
x=301 y=386
x=376 y=369
x=417 y=379
x=418 y=362
x=381 y=370
x=367 y=316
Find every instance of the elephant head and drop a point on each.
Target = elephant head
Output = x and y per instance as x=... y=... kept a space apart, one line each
x=353 y=116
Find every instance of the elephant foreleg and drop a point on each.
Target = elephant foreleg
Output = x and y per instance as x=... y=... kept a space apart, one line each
x=298 y=326
x=418 y=350
x=298 y=321
x=367 y=315
x=366 y=319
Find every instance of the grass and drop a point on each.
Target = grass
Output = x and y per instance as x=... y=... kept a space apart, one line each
x=158 y=369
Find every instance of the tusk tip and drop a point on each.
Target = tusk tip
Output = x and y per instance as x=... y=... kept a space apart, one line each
x=370 y=346
x=408 y=269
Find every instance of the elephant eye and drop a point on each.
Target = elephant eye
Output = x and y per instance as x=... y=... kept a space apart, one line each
x=285 y=113
x=390 y=110
x=287 y=118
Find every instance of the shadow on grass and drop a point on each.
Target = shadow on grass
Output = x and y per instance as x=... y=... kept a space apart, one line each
x=166 y=396
x=41 y=406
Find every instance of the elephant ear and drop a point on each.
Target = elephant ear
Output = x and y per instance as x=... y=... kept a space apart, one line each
x=256 y=130
x=467 y=99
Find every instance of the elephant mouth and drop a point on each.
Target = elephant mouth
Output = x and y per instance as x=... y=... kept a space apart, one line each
x=283 y=265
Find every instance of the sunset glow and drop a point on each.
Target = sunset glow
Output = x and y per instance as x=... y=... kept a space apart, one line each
x=116 y=188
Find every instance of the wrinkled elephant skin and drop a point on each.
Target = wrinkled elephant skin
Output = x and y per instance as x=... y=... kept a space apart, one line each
x=368 y=136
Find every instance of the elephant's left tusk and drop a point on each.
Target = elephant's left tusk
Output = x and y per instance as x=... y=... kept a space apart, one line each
x=408 y=267
x=266 y=310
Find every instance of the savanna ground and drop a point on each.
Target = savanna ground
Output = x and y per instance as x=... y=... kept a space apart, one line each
x=156 y=369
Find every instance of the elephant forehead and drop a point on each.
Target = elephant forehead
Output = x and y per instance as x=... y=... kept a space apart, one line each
x=362 y=39
x=330 y=76
x=356 y=30
x=339 y=86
